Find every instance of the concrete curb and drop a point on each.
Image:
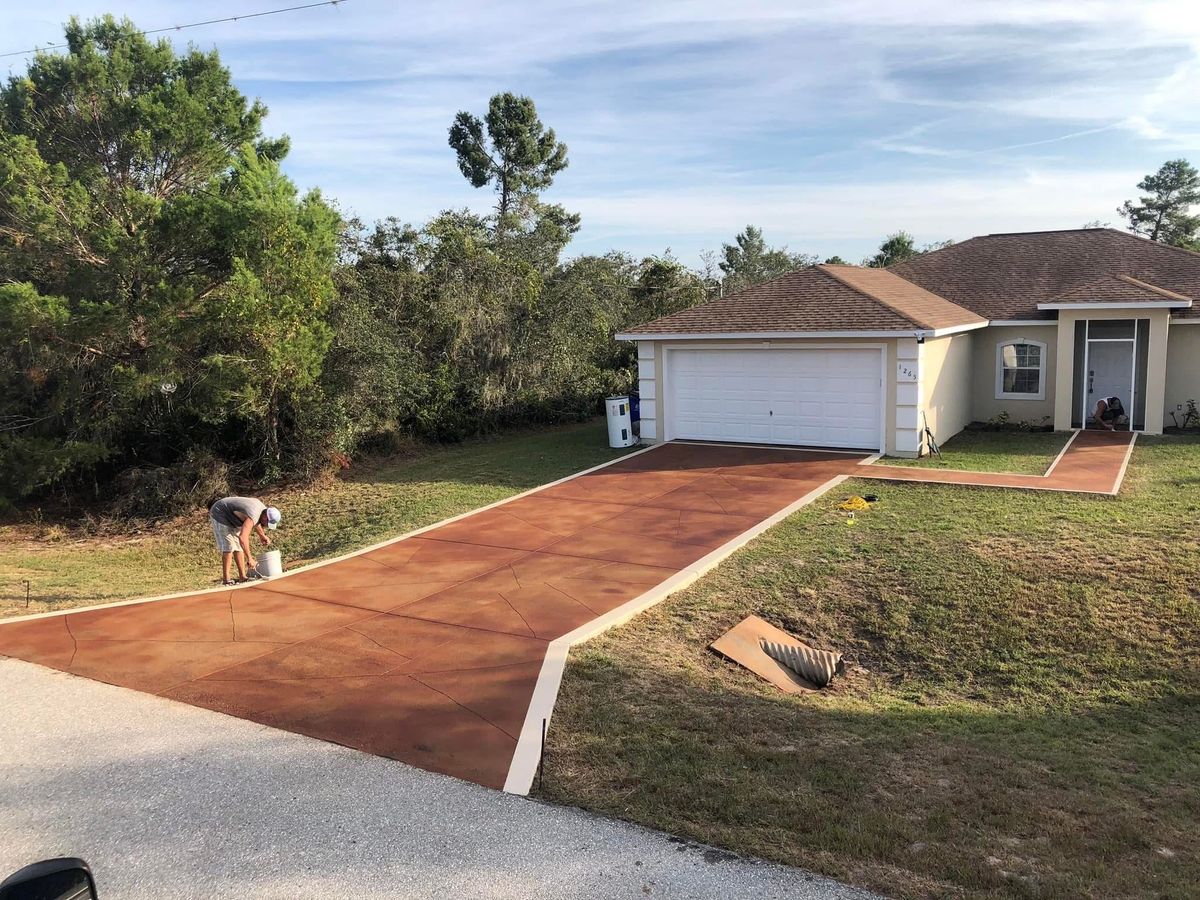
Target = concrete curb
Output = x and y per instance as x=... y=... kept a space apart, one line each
x=1124 y=466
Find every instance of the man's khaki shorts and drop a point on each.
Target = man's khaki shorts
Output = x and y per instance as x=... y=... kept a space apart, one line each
x=225 y=537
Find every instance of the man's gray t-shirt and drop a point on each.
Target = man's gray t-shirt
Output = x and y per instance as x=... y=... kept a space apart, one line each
x=223 y=510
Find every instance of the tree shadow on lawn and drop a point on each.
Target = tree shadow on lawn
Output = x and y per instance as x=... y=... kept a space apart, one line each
x=908 y=799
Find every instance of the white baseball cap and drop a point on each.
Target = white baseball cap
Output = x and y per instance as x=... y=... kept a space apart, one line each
x=273 y=517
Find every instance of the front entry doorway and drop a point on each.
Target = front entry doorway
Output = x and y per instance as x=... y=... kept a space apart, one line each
x=1114 y=366
x=1110 y=374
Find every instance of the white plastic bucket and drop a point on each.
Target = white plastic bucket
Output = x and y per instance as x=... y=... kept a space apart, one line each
x=270 y=564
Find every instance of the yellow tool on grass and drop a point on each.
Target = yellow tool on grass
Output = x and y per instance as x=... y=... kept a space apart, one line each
x=855 y=504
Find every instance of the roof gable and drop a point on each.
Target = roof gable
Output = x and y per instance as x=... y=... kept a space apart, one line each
x=802 y=301
x=819 y=299
x=924 y=309
x=1119 y=289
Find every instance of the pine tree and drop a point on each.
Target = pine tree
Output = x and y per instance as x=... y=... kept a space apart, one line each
x=1164 y=213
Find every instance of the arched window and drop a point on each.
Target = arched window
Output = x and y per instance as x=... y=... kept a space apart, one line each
x=1021 y=370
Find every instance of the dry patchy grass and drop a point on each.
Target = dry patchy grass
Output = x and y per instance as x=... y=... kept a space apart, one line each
x=1020 y=452
x=1020 y=719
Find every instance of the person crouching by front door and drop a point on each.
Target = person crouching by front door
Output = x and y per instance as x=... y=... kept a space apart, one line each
x=1109 y=413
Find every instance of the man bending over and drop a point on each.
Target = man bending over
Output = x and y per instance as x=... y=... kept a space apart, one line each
x=232 y=519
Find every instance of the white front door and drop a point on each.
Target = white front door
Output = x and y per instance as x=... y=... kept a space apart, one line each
x=819 y=397
x=1110 y=374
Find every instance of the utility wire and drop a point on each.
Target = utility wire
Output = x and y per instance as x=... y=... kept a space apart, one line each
x=268 y=12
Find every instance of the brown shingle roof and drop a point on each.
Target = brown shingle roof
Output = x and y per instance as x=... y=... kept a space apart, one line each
x=818 y=298
x=1005 y=276
x=1118 y=289
x=919 y=306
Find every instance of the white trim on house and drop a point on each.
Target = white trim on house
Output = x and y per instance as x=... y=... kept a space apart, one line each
x=1024 y=323
x=1193 y=321
x=1088 y=340
x=1001 y=394
x=758 y=345
x=1149 y=304
x=798 y=448
x=954 y=329
x=919 y=333
x=761 y=336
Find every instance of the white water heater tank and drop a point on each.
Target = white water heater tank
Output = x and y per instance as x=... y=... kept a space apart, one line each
x=620 y=426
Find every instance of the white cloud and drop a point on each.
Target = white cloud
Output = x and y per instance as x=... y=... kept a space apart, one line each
x=797 y=213
x=686 y=119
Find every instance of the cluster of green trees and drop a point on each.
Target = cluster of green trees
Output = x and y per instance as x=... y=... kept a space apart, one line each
x=173 y=310
x=163 y=288
x=170 y=303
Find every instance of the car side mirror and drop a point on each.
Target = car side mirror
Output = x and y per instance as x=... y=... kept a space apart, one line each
x=52 y=879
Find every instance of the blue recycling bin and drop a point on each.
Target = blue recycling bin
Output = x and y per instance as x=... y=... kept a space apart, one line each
x=635 y=408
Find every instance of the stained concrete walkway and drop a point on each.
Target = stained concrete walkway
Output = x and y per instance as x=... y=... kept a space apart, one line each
x=1092 y=463
x=169 y=801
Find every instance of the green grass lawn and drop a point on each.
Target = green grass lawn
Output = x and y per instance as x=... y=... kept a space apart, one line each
x=66 y=567
x=1020 y=715
x=1022 y=452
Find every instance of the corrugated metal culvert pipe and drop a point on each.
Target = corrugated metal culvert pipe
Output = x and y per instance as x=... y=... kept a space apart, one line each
x=817 y=666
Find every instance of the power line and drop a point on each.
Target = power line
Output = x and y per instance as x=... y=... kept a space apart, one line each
x=268 y=12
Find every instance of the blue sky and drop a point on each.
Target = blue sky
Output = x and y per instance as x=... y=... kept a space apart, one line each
x=827 y=124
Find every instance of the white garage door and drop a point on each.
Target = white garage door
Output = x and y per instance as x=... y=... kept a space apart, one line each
x=813 y=397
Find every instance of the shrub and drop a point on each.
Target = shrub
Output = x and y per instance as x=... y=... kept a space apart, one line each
x=154 y=492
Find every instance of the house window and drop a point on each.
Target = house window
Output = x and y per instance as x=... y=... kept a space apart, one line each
x=1021 y=370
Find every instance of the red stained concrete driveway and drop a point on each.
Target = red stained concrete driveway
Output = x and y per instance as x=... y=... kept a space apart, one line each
x=427 y=649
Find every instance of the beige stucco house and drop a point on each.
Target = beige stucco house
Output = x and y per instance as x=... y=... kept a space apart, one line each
x=1036 y=325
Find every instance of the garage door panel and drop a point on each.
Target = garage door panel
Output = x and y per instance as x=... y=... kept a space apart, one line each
x=814 y=396
x=812 y=433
